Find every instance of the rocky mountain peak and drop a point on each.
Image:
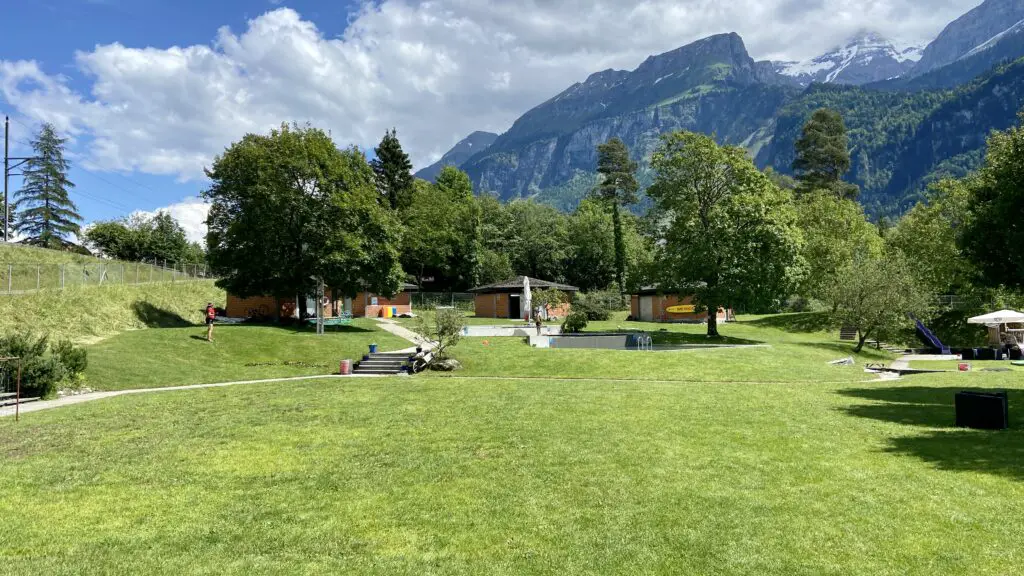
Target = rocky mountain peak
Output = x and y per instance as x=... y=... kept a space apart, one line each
x=983 y=25
x=866 y=57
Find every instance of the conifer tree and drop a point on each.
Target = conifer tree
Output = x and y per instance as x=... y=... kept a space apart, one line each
x=45 y=212
x=617 y=189
x=393 y=172
x=823 y=156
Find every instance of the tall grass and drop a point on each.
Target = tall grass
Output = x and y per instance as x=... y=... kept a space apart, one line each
x=85 y=313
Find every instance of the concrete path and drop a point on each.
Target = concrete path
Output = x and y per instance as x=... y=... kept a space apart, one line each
x=903 y=362
x=71 y=400
x=395 y=328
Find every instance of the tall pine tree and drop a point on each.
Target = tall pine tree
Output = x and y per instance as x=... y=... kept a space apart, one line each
x=823 y=155
x=44 y=211
x=393 y=172
x=617 y=189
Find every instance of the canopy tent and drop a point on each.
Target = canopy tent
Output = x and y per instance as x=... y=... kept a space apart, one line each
x=1003 y=318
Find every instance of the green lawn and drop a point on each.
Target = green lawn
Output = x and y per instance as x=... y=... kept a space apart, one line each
x=789 y=351
x=434 y=476
x=180 y=356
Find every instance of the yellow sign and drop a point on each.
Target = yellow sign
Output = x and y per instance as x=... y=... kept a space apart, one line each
x=687 y=309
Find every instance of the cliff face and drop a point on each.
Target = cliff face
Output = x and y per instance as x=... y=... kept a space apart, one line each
x=457 y=156
x=983 y=25
x=710 y=86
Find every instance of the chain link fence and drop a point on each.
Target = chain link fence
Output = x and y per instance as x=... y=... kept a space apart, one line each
x=433 y=300
x=24 y=278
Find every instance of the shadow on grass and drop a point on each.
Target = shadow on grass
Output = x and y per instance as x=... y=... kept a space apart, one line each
x=845 y=349
x=802 y=322
x=154 y=317
x=295 y=328
x=993 y=452
x=677 y=338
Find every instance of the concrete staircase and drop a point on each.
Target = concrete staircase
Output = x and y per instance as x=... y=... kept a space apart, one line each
x=7 y=399
x=383 y=364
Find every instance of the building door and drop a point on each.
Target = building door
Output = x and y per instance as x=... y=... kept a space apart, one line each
x=647 y=308
x=515 y=311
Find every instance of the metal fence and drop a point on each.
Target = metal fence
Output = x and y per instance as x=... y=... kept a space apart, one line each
x=24 y=278
x=432 y=300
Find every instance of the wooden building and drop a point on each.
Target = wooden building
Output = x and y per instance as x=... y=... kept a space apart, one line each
x=505 y=299
x=365 y=304
x=651 y=305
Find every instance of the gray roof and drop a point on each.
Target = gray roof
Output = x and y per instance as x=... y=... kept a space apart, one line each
x=516 y=284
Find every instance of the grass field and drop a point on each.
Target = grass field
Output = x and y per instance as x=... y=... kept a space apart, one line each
x=430 y=476
x=181 y=356
x=734 y=462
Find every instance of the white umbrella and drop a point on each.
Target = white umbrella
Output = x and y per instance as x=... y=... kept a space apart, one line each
x=1002 y=318
x=527 y=297
x=997 y=318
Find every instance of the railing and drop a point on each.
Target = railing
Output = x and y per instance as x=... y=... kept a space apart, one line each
x=432 y=300
x=28 y=278
x=644 y=342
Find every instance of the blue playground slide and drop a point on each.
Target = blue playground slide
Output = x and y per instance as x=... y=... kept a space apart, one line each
x=929 y=338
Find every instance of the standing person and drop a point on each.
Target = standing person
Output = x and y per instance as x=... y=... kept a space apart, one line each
x=211 y=314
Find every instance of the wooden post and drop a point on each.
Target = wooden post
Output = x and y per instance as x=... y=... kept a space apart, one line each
x=17 y=395
x=37 y=278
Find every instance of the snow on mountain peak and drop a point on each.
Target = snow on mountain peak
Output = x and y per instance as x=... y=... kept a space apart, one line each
x=866 y=57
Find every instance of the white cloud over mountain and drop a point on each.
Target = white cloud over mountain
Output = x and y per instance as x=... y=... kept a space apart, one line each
x=435 y=70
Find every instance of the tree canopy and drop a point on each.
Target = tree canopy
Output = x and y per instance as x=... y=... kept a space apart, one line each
x=44 y=211
x=617 y=189
x=392 y=171
x=726 y=232
x=823 y=155
x=138 y=238
x=290 y=207
x=994 y=235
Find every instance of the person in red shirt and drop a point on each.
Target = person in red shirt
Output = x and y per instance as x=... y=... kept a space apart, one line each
x=211 y=315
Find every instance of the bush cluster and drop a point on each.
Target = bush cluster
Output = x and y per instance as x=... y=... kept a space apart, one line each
x=44 y=367
x=575 y=322
x=599 y=306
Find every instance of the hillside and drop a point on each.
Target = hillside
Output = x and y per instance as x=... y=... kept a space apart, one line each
x=464 y=150
x=712 y=86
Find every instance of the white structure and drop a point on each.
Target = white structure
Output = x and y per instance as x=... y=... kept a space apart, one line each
x=527 y=299
x=1001 y=322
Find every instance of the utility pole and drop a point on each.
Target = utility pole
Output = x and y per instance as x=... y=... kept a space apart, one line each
x=7 y=174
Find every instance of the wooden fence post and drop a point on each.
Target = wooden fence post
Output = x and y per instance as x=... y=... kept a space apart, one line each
x=37 y=277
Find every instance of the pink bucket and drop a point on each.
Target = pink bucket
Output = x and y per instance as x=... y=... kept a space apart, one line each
x=346 y=367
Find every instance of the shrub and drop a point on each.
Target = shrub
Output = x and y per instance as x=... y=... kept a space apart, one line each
x=575 y=322
x=598 y=306
x=73 y=358
x=41 y=372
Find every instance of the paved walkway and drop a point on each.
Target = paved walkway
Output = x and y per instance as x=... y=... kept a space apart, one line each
x=395 y=328
x=70 y=400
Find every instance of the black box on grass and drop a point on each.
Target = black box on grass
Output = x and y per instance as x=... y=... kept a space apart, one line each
x=983 y=410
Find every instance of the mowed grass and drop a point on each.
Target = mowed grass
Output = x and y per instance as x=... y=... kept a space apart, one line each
x=161 y=357
x=432 y=476
x=793 y=348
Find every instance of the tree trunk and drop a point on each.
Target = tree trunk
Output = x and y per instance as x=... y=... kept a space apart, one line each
x=620 y=250
x=303 y=309
x=713 y=321
x=861 y=339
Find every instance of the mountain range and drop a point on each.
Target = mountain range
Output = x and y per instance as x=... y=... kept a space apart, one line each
x=913 y=115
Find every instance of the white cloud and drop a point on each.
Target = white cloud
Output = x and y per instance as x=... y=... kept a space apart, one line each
x=190 y=214
x=435 y=70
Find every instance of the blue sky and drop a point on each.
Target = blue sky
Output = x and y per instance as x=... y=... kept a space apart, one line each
x=72 y=25
x=149 y=91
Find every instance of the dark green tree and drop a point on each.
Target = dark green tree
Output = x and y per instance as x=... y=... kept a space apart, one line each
x=45 y=212
x=289 y=208
x=442 y=232
x=617 y=189
x=537 y=240
x=823 y=155
x=151 y=239
x=726 y=233
x=993 y=238
x=392 y=171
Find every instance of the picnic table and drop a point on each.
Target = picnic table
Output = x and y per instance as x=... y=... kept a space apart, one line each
x=344 y=319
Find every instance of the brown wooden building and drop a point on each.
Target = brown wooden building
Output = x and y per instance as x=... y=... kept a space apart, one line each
x=505 y=299
x=651 y=305
x=365 y=304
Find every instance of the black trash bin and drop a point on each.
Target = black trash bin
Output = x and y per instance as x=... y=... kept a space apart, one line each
x=983 y=410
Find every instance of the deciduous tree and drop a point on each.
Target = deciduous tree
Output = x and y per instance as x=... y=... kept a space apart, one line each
x=289 y=207
x=725 y=231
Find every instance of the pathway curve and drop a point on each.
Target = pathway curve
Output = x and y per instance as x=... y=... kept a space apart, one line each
x=70 y=400
x=397 y=329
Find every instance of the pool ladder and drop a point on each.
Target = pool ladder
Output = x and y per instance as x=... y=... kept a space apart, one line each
x=644 y=342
